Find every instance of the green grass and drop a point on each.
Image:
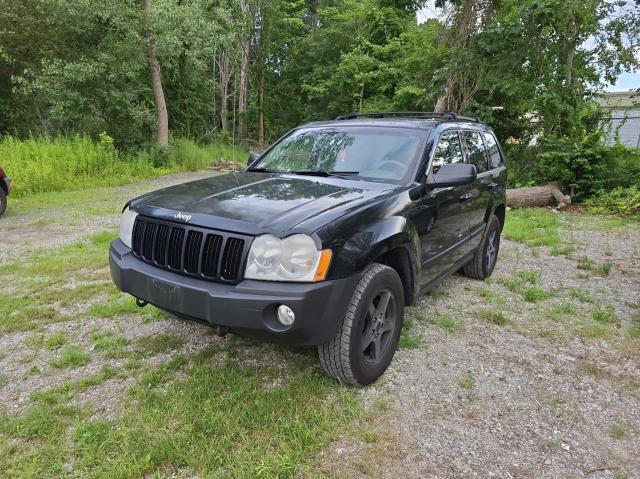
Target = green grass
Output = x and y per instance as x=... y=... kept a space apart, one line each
x=71 y=357
x=617 y=431
x=634 y=330
x=561 y=312
x=111 y=345
x=217 y=420
x=55 y=340
x=38 y=164
x=580 y=295
x=493 y=316
x=605 y=313
x=533 y=227
x=446 y=322
x=156 y=344
x=587 y=264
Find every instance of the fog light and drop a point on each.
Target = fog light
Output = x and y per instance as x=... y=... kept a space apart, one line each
x=286 y=315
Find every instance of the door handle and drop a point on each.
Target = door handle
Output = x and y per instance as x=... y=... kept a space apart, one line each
x=492 y=185
x=466 y=197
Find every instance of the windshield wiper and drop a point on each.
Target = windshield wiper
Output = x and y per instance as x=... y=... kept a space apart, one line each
x=324 y=173
x=263 y=170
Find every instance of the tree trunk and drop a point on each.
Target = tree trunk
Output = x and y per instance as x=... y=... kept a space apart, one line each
x=539 y=196
x=225 y=76
x=261 y=109
x=243 y=88
x=158 y=92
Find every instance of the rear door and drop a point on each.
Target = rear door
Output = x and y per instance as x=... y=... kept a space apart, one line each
x=476 y=154
x=443 y=221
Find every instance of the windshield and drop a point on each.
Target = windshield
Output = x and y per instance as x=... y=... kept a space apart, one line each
x=369 y=152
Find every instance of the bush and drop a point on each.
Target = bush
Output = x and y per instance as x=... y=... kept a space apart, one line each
x=623 y=201
x=586 y=165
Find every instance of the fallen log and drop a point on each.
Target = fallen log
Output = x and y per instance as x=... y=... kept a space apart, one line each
x=540 y=196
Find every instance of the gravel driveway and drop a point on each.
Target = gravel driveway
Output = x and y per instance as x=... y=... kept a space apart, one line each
x=533 y=374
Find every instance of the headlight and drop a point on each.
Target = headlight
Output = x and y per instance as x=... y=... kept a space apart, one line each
x=295 y=258
x=126 y=226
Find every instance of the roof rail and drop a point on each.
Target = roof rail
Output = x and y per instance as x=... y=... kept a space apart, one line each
x=427 y=115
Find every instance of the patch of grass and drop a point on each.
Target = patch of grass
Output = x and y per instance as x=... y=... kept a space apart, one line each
x=70 y=357
x=520 y=281
x=158 y=343
x=605 y=313
x=54 y=341
x=587 y=264
x=634 y=330
x=41 y=279
x=593 y=331
x=409 y=340
x=591 y=369
x=535 y=294
x=493 y=316
x=581 y=295
x=110 y=344
x=446 y=322
x=368 y=436
x=467 y=383
x=561 y=312
x=561 y=249
x=617 y=431
x=533 y=227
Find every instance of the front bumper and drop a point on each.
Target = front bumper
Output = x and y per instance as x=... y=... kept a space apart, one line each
x=248 y=307
x=9 y=183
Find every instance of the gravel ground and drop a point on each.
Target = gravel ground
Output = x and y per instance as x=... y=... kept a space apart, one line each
x=537 y=397
x=530 y=399
x=49 y=227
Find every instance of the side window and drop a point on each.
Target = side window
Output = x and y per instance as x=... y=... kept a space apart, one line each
x=449 y=150
x=475 y=148
x=495 y=158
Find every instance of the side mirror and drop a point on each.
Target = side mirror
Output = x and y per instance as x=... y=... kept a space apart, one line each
x=252 y=158
x=453 y=174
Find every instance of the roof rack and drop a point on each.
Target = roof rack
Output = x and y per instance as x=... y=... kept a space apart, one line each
x=427 y=115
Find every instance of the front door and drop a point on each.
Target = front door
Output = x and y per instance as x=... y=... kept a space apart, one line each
x=442 y=215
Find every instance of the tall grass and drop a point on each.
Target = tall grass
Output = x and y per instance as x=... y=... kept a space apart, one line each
x=43 y=164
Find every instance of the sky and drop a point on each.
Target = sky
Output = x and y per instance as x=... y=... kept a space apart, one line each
x=626 y=81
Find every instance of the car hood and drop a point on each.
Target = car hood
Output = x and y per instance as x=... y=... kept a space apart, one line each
x=256 y=203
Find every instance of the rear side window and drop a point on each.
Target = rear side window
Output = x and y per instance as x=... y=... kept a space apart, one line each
x=449 y=150
x=475 y=148
x=495 y=158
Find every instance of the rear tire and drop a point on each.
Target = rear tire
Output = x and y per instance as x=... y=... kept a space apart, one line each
x=367 y=336
x=3 y=201
x=484 y=261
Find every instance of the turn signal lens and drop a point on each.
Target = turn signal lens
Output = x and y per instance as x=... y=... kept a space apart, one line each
x=323 y=265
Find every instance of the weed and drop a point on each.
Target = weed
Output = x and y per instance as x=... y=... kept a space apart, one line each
x=592 y=331
x=369 y=436
x=158 y=343
x=409 y=340
x=467 y=383
x=605 y=314
x=592 y=369
x=493 y=316
x=112 y=345
x=535 y=294
x=70 y=356
x=634 y=330
x=561 y=312
x=54 y=341
x=617 y=431
x=580 y=295
x=446 y=322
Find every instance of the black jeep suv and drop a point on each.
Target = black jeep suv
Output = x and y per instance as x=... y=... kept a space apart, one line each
x=5 y=189
x=324 y=238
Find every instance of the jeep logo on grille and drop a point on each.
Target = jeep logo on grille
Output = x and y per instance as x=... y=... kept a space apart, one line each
x=181 y=216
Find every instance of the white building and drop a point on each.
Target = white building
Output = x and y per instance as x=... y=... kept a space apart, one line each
x=622 y=113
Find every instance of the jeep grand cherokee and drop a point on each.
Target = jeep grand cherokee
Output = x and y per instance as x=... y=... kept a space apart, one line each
x=326 y=237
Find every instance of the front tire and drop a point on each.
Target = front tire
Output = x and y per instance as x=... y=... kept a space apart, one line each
x=484 y=261
x=367 y=337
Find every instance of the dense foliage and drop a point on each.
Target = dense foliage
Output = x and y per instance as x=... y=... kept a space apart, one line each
x=251 y=69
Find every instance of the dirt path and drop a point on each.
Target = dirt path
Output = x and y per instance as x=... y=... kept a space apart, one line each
x=63 y=218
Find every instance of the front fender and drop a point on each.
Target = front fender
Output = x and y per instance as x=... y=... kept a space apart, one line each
x=374 y=240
